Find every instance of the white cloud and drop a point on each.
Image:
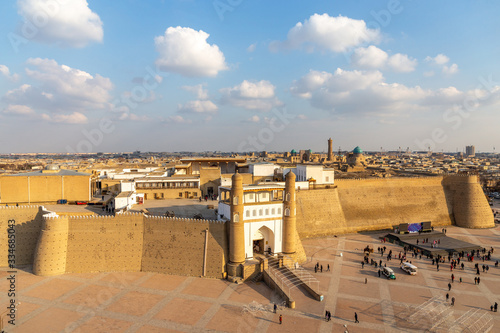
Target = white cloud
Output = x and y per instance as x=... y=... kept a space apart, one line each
x=73 y=118
x=402 y=63
x=302 y=116
x=4 y=70
x=201 y=105
x=252 y=47
x=185 y=51
x=15 y=109
x=451 y=69
x=198 y=107
x=324 y=32
x=367 y=92
x=440 y=59
x=199 y=90
x=251 y=95
x=64 y=93
x=66 y=23
x=177 y=119
x=254 y=119
x=370 y=57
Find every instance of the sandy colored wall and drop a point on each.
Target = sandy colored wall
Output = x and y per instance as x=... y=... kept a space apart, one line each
x=27 y=230
x=177 y=246
x=43 y=189
x=374 y=204
x=130 y=242
x=13 y=189
x=105 y=243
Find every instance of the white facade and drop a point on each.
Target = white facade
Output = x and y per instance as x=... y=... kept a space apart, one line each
x=262 y=169
x=262 y=216
x=305 y=172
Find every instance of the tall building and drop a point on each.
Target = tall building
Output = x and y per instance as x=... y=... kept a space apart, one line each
x=470 y=151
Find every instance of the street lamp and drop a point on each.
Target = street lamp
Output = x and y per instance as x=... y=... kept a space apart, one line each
x=3 y=315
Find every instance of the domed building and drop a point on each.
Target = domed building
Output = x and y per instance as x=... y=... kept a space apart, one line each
x=356 y=159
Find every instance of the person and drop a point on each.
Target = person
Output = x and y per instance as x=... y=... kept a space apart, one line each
x=495 y=306
x=447 y=296
x=326 y=315
x=356 y=317
x=328 y=268
x=362 y=264
x=478 y=280
x=475 y=280
x=452 y=301
x=460 y=279
x=329 y=316
x=315 y=269
x=449 y=286
x=379 y=273
x=321 y=268
x=275 y=307
x=452 y=278
x=281 y=319
x=366 y=280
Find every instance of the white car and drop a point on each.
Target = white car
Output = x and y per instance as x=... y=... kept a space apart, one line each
x=409 y=268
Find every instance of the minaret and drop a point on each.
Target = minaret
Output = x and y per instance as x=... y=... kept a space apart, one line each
x=289 y=219
x=236 y=229
x=330 y=150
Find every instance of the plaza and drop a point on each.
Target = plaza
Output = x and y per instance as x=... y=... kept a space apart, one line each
x=153 y=302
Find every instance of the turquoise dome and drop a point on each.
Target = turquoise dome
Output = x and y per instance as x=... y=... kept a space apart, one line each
x=357 y=150
x=293 y=151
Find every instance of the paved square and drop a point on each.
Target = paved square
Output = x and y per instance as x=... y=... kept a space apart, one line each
x=152 y=302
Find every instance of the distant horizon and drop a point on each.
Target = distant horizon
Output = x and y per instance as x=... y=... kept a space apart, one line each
x=89 y=76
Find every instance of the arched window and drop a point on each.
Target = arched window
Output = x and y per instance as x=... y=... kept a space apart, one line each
x=235 y=200
x=236 y=217
x=287 y=211
x=287 y=196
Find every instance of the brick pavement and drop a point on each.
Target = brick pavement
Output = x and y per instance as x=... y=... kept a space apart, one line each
x=151 y=302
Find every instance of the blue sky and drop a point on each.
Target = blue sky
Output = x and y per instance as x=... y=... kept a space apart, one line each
x=248 y=75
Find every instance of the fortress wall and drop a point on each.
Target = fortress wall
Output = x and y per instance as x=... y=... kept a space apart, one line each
x=372 y=204
x=27 y=230
x=51 y=249
x=177 y=246
x=319 y=213
x=470 y=206
x=105 y=243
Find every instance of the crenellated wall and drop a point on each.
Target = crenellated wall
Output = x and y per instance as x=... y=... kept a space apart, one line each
x=130 y=242
x=177 y=246
x=58 y=244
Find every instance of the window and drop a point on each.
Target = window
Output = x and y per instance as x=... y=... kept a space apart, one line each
x=250 y=196
x=195 y=194
x=254 y=212
x=327 y=179
x=267 y=211
x=279 y=210
x=235 y=200
x=273 y=211
x=247 y=214
x=287 y=212
x=260 y=212
x=180 y=194
x=236 y=217
x=287 y=197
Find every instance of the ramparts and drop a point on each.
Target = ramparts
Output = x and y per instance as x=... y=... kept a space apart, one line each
x=373 y=204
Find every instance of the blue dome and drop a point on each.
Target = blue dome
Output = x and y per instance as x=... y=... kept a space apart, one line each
x=357 y=150
x=293 y=151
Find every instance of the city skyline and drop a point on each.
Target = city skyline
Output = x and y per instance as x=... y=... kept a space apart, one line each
x=247 y=76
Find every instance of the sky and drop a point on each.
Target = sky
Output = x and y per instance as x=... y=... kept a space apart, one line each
x=240 y=75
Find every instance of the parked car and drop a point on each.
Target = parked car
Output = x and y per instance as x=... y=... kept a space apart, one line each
x=389 y=273
x=409 y=268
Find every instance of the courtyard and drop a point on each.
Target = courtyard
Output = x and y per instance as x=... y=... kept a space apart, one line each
x=152 y=302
